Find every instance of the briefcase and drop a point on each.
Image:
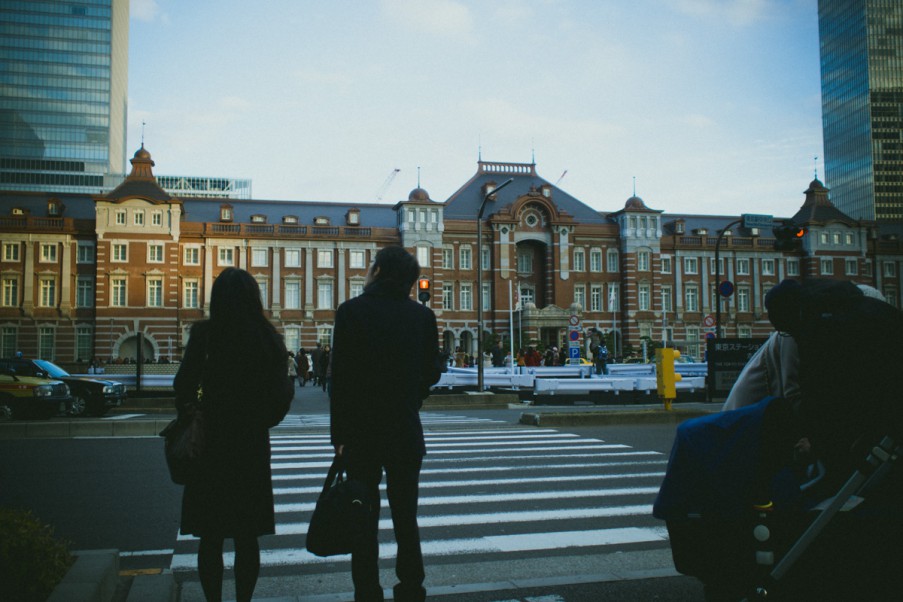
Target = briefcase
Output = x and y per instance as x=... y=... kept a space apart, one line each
x=340 y=519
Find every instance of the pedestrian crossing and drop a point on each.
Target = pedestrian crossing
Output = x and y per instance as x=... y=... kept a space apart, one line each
x=484 y=494
x=428 y=419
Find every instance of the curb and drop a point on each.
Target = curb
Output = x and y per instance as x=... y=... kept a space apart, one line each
x=92 y=578
x=81 y=428
x=591 y=418
x=153 y=588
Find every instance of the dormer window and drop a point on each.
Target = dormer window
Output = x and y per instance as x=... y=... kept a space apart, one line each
x=546 y=191
x=258 y=219
x=321 y=221
x=225 y=213
x=353 y=217
x=290 y=219
x=488 y=187
x=753 y=231
x=54 y=208
x=18 y=211
x=679 y=227
x=701 y=231
x=728 y=232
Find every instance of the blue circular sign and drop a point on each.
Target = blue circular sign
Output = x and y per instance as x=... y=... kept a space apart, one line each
x=575 y=335
x=726 y=288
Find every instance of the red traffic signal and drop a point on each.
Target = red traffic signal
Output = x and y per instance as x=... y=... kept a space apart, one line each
x=788 y=237
x=423 y=286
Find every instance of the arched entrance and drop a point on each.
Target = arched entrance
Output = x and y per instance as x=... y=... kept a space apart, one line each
x=128 y=349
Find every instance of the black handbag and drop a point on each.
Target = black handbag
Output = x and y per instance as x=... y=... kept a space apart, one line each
x=339 y=521
x=185 y=443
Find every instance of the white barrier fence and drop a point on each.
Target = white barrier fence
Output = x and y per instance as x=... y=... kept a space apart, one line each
x=542 y=379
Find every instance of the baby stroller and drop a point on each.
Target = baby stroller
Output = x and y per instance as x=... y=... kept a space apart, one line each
x=753 y=518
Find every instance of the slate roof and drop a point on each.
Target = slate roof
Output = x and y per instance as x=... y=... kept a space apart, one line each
x=465 y=202
x=207 y=210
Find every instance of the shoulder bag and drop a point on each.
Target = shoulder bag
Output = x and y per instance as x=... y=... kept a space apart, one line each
x=184 y=443
x=340 y=519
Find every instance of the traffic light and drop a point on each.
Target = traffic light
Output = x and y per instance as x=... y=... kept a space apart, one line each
x=665 y=377
x=788 y=237
x=423 y=287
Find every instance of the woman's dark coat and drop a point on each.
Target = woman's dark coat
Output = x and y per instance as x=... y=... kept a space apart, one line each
x=245 y=392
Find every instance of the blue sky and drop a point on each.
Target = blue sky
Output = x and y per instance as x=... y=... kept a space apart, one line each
x=712 y=105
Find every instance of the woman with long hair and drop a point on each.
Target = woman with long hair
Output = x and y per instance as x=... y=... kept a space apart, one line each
x=234 y=367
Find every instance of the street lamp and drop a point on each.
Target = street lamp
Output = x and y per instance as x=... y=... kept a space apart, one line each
x=486 y=197
x=718 y=275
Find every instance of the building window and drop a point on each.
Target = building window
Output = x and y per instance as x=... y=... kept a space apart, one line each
x=10 y=292
x=448 y=258
x=642 y=261
x=324 y=258
x=525 y=261
x=849 y=238
x=293 y=339
x=48 y=292
x=614 y=261
x=118 y=292
x=448 y=296
x=667 y=296
x=155 y=253
x=742 y=299
x=827 y=267
x=190 y=297
x=293 y=258
x=226 y=256
x=768 y=267
x=743 y=267
x=465 y=258
x=580 y=295
x=139 y=218
x=292 y=295
x=263 y=285
x=487 y=297
x=691 y=298
x=890 y=295
x=258 y=218
x=225 y=213
x=46 y=343
x=851 y=267
x=120 y=252
x=120 y=218
x=484 y=260
x=744 y=332
x=8 y=341
x=595 y=297
x=793 y=267
x=84 y=293
x=85 y=252
x=192 y=256
x=259 y=257
x=324 y=294
x=691 y=265
x=666 y=264
x=423 y=256
x=614 y=297
x=324 y=335
x=290 y=219
x=527 y=295
x=595 y=260
x=10 y=251
x=358 y=260
x=48 y=252
x=84 y=343
x=155 y=292
x=157 y=218
x=466 y=300
x=579 y=260
x=890 y=269
x=643 y=297
x=356 y=289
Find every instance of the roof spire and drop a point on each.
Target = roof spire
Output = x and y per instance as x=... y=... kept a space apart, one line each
x=143 y=123
x=418 y=176
x=815 y=161
x=634 y=185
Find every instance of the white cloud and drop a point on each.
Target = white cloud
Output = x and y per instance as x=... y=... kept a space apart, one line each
x=437 y=17
x=735 y=12
x=145 y=10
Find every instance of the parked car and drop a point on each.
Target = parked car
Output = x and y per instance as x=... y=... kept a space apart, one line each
x=578 y=362
x=30 y=396
x=90 y=395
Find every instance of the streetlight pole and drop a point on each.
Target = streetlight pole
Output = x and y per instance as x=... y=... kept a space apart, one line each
x=486 y=198
x=718 y=275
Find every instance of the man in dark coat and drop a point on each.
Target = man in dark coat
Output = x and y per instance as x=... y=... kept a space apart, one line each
x=384 y=360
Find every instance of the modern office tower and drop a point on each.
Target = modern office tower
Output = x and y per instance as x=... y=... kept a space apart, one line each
x=63 y=94
x=862 y=106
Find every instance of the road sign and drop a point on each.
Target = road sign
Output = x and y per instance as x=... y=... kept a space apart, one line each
x=710 y=335
x=574 y=353
x=574 y=321
x=726 y=288
x=574 y=335
x=752 y=220
x=708 y=321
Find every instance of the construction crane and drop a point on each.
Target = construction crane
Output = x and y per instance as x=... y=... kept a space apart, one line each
x=385 y=186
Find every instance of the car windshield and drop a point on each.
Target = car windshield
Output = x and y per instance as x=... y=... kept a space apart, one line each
x=51 y=369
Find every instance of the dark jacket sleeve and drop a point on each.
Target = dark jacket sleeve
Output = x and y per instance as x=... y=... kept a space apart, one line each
x=188 y=377
x=340 y=402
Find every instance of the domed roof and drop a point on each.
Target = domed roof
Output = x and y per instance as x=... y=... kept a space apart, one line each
x=142 y=153
x=635 y=202
x=419 y=194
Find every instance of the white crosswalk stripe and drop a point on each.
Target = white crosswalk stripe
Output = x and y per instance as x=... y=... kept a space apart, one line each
x=486 y=492
x=429 y=419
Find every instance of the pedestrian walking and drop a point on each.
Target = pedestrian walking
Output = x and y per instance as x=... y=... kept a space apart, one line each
x=233 y=496
x=325 y=367
x=292 y=368
x=375 y=421
x=303 y=366
x=315 y=362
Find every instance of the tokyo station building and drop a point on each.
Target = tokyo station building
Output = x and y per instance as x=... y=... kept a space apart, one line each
x=82 y=276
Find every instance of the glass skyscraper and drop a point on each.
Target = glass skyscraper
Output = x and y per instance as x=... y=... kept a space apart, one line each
x=862 y=106
x=63 y=93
